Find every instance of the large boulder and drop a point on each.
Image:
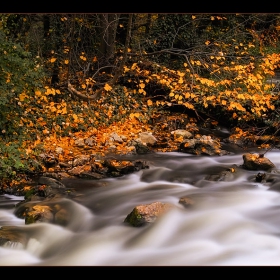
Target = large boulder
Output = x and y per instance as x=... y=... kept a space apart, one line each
x=256 y=162
x=147 y=138
x=55 y=211
x=204 y=145
x=148 y=213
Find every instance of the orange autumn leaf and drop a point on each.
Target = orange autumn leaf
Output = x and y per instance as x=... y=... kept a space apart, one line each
x=107 y=87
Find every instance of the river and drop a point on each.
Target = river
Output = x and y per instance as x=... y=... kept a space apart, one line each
x=234 y=223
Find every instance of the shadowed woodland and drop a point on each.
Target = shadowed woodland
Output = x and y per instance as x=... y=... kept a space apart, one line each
x=65 y=76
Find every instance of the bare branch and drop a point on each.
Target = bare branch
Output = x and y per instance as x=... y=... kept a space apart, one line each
x=81 y=95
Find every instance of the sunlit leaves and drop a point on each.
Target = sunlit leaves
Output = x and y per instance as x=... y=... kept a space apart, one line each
x=23 y=96
x=134 y=115
x=126 y=69
x=235 y=105
x=51 y=91
x=75 y=118
x=38 y=93
x=188 y=105
x=142 y=91
x=107 y=87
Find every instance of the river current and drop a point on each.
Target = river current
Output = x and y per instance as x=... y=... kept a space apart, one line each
x=232 y=223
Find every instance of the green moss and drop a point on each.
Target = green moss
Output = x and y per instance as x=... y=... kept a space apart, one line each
x=29 y=193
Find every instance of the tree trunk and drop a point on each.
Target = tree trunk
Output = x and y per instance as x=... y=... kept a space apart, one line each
x=108 y=26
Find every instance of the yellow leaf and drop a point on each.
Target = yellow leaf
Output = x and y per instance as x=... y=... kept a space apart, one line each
x=66 y=61
x=38 y=93
x=28 y=151
x=53 y=59
x=141 y=85
x=44 y=98
x=189 y=105
x=134 y=65
x=126 y=69
x=75 y=117
x=22 y=96
x=84 y=86
x=27 y=188
x=193 y=17
x=212 y=18
x=64 y=111
x=107 y=87
x=150 y=102
x=48 y=92
x=41 y=208
x=181 y=74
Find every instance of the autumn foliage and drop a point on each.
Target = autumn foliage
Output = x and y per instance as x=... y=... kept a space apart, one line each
x=220 y=66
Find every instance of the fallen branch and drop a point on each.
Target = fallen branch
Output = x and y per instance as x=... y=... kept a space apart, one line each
x=83 y=96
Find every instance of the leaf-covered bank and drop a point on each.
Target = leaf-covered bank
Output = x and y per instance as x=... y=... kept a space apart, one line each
x=66 y=79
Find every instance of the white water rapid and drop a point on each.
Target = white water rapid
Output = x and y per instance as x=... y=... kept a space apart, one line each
x=233 y=223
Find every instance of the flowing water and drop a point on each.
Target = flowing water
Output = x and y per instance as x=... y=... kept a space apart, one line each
x=233 y=223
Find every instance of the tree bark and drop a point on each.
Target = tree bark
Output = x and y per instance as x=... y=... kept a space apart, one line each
x=108 y=24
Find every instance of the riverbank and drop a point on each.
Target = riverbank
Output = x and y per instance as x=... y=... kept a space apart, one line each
x=98 y=153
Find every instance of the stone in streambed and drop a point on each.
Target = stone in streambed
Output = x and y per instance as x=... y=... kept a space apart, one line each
x=256 y=162
x=144 y=214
